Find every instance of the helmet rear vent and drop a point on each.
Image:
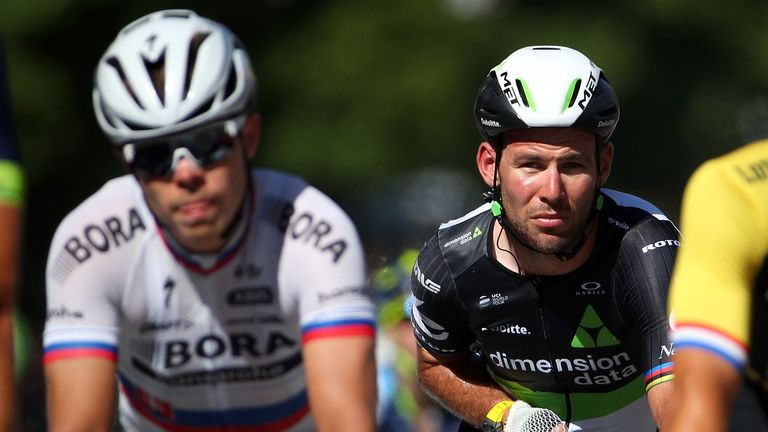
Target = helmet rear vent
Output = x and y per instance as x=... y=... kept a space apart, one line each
x=112 y=61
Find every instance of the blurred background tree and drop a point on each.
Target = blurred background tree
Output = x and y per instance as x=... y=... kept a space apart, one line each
x=372 y=101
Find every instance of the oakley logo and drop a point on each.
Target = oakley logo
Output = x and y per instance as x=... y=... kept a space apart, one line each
x=660 y=244
x=590 y=288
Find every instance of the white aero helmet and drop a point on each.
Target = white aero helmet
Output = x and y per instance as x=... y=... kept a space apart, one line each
x=204 y=77
x=546 y=86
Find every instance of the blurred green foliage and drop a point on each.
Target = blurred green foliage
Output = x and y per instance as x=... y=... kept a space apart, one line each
x=357 y=95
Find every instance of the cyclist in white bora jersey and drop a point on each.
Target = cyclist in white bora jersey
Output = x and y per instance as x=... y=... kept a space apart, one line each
x=221 y=298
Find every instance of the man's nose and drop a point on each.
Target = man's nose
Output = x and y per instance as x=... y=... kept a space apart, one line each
x=553 y=184
x=187 y=172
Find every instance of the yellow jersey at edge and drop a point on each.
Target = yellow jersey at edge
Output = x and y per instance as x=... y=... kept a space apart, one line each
x=719 y=286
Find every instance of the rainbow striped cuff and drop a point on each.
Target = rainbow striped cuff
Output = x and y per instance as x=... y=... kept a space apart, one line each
x=658 y=375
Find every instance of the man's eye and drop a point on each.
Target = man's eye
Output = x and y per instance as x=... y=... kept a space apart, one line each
x=530 y=165
x=572 y=166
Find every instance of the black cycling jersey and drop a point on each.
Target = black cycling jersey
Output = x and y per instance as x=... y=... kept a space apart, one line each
x=580 y=343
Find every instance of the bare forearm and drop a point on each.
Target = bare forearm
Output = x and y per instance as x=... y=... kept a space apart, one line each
x=705 y=388
x=462 y=391
x=701 y=412
x=80 y=394
x=660 y=401
x=7 y=387
x=342 y=389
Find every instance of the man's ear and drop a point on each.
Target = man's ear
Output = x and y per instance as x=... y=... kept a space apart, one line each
x=486 y=162
x=606 y=162
x=251 y=135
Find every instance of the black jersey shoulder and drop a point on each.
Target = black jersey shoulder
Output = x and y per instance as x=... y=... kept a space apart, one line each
x=462 y=241
x=635 y=222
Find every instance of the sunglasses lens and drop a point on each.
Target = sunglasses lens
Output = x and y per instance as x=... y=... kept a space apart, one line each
x=158 y=159
x=209 y=148
x=153 y=160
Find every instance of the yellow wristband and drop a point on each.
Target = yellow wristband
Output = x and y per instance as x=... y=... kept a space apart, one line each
x=494 y=419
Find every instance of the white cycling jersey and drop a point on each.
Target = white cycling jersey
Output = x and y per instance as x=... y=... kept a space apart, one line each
x=207 y=343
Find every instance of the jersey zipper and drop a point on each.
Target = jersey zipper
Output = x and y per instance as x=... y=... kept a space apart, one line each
x=567 y=395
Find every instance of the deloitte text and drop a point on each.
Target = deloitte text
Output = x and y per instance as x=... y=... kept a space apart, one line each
x=600 y=371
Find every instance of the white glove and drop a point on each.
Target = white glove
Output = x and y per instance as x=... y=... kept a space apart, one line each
x=524 y=418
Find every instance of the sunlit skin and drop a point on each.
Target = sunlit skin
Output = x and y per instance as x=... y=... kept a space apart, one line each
x=547 y=178
x=196 y=204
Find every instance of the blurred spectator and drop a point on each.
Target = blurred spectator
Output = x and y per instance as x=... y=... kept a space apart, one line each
x=403 y=406
x=11 y=200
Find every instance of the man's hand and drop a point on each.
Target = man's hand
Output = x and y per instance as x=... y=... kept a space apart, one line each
x=524 y=418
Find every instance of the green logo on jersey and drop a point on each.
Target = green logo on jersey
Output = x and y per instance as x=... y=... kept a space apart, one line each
x=592 y=333
x=477 y=233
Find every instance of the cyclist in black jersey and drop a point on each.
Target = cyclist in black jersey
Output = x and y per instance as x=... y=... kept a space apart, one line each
x=552 y=294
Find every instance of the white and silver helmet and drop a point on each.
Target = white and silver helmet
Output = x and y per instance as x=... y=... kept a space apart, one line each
x=546 y=86
x=169 y=72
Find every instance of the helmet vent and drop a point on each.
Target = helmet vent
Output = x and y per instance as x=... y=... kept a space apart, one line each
x=201 y=110
x=112 y=61
x=573 y=91
x=135 y=126
x=156 y=70
x=522 y=89
x=231 y=82
x=194 y=47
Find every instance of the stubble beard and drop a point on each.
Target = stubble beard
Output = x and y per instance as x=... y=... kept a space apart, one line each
x=545 y=242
